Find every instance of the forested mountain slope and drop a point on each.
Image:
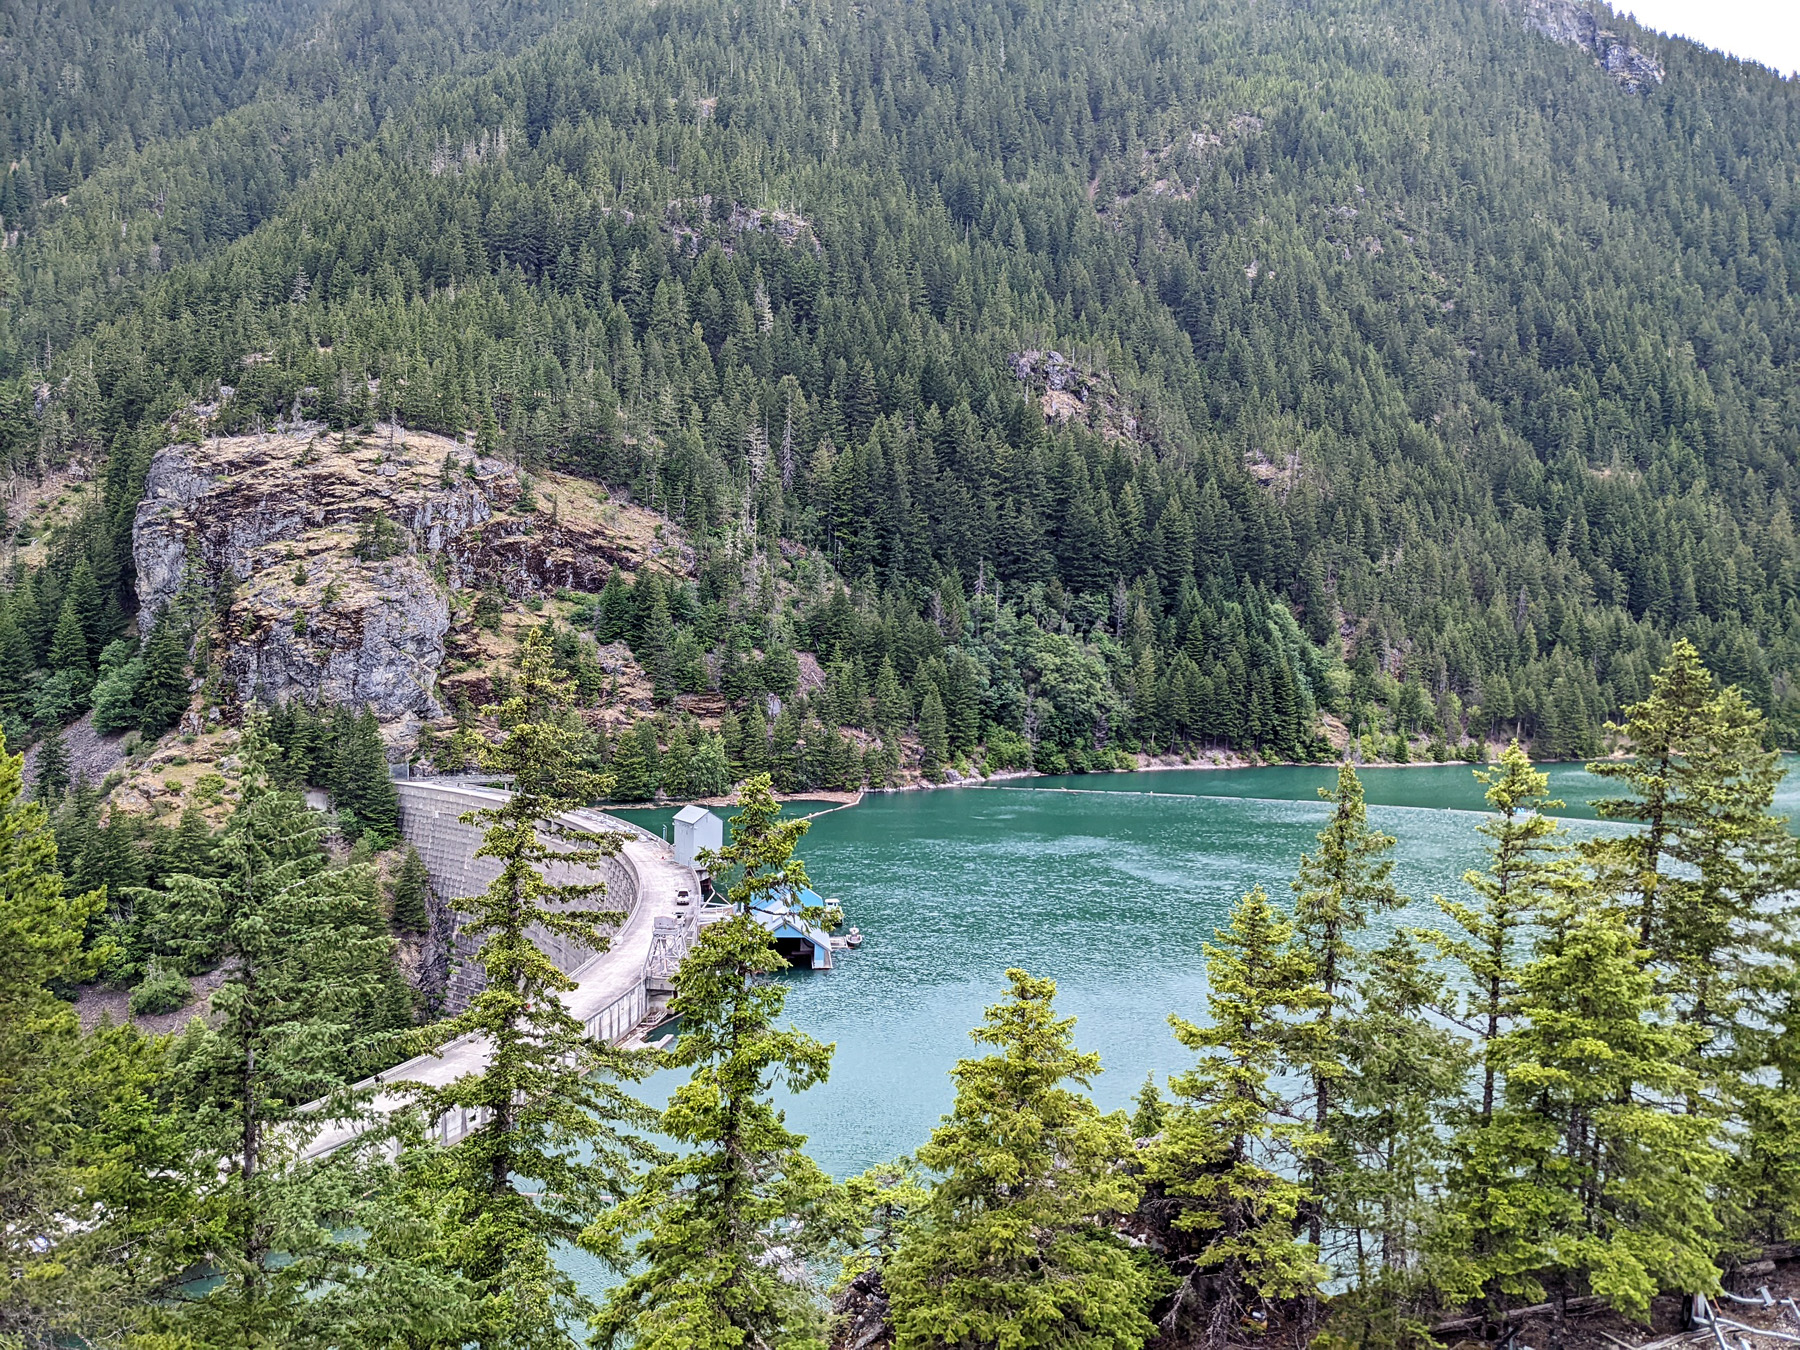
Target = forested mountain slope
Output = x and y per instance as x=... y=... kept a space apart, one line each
x=1389 y=359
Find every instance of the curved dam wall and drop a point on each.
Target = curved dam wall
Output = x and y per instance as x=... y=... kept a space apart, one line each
x=429 y=821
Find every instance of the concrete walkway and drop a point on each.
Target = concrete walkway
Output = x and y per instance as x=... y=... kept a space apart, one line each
x=609 y=997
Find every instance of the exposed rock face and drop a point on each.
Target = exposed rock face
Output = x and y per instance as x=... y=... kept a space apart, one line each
x=860 y=1315
x=336 y=556
x=1070 y=392
x=1583 y=25
x=382 y=648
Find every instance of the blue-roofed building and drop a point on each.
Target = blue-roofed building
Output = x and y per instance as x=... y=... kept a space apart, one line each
x=798 y=938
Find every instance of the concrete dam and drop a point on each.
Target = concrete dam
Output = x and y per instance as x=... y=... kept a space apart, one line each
x=658 y=897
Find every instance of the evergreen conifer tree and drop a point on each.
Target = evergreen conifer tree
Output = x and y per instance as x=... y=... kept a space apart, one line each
x=1225 y=1165
x=657 y=648
x=556 y=1121
x=785 y=768
x=875 y=1211
x=675 y=763
x=632 y=776
x=934 y=741
x=90 y=611
x=704 y=1235
x=893 y=710
x=1710 y=871
x=189 y=848
x=293 y=1021
x=361 y=787
x=1529 y=868
x=115 y=697
x=1592 y=1176
x=708 y=773
x=412 y=885
x=1014 y=1248
x=68 y=643
x=1405 y=1073
x=1149 y=1110
x=15 y=659
x=756 y=744
x=163 y=692
x=91 y=1173
x=52 y=779
x=1338 y=889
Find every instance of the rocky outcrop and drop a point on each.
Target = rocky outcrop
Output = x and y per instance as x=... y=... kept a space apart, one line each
x=1068 y=391
x=860 y=1315
x=1585 y=25
x=334 y=557
x=380 y=645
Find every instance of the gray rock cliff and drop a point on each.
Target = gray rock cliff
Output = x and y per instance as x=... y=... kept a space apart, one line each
x=334 y=558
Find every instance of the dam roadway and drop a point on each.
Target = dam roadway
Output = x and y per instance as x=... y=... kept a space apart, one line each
x=612 y=988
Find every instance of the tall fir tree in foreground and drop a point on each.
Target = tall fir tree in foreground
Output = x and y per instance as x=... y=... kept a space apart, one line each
x=1707 y=875
x=1708 y=878
x=90 y=1174
x=560 y=1137
x=1014 y=1248
x=305 y=1007
x=1405 y=1072
x=1232 y=1142
x=1529 y=868
x=1339 y=888
x=714 y=1239
x=1596 y=1178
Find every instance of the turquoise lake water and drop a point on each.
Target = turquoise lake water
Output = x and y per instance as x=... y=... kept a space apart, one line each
x=1109 y=884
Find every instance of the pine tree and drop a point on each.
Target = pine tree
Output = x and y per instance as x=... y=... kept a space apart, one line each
x=934 y=741
x=613 y=615
x=68 y=644
x=657 y=648
x=90 y=611
x=1404 y=1074
x=1592 y=1176
x=1709 y=872
x=785 y=767
x=556 y=1119
x=189 y=849
x=361 y=787
x=163 y=693
x=15 y=659
x=893 y=710
x=1226 y=1161
x=305 y=971
x=1149 y=1110
x=875 y=1211
x=1014 y=1248
x=708 y=773
x=52 y=765
x=411 y=891
x=1529 y=868
x=1337 y=891
x=90 y=1168
x=633 y=778
x=756 y=744
x=115 y=697
x=676 y=762
x=704 y=1235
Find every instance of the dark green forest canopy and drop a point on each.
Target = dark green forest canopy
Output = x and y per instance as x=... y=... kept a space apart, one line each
x=1395 y=315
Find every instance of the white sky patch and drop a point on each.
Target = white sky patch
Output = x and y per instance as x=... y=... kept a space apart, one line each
x=1756 y=30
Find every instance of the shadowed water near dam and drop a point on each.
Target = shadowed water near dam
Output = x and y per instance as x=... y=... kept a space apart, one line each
x=1108 y=884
